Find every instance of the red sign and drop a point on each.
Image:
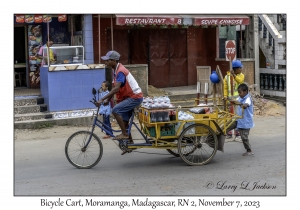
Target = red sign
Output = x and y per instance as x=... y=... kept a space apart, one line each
x=230 y=50
x=38 y=18
x=222 y=20
x=148 y=20
x=20 y=18
x=62 y=18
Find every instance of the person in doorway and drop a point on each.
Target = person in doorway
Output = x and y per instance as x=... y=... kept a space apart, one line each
x=246 y=123
x=128 y=94
x=43 y=53
x=231 y=82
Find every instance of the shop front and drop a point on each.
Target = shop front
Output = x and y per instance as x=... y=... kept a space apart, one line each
x=64 y=72
x=30 y=34
x=172 y=46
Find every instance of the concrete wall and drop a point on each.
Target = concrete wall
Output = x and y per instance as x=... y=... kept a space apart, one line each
x=70 y=89
x=249 y=70
x=140 y=73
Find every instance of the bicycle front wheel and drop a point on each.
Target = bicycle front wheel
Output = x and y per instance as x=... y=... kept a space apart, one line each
x=79 y=156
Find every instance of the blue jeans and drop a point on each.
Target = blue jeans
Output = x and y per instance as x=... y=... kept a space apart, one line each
x=125 y=108
x=106 y=122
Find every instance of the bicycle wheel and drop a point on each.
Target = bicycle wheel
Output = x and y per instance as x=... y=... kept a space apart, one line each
x=197 y=144
x=80 y=157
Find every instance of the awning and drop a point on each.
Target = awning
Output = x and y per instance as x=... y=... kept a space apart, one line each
x=148 y=20
x=221 y=20
x=182 y=20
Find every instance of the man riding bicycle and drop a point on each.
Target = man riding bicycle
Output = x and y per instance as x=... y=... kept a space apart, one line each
x=128 y=93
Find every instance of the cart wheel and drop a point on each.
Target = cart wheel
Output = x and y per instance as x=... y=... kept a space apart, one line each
x=197 y=144
x=173 y=152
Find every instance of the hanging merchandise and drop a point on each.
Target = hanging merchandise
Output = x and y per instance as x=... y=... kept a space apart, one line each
x=34 y=44
x=29 y=18
x=62 y=18
x=38 y=18
x=20 y=18
x=47 y=18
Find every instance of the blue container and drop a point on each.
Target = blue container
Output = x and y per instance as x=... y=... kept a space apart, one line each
x=214 y=78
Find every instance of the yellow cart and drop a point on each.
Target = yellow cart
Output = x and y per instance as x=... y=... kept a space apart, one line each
x=196 y=141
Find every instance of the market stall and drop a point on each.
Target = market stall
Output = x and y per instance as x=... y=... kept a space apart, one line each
x=66 y=81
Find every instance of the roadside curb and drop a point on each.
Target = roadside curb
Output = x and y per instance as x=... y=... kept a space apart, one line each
x=43 y=123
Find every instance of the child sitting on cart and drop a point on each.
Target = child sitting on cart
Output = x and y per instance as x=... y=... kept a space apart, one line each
x=105 y=110
x=246 y=123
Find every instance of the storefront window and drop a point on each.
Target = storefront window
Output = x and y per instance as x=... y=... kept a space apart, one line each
x=225 y=33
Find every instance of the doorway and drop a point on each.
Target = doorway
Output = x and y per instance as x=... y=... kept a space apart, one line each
x=165 y=52
x=20 y=57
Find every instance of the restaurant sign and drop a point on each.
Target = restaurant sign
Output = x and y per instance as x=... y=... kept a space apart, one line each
x=222 y=21
x=148 y=21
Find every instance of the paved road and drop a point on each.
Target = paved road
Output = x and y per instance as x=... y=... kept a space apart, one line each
x=41 y=168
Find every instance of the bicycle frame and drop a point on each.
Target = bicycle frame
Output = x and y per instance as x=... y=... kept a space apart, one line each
x=104 y=127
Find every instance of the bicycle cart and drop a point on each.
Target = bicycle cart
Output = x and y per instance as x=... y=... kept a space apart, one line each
x=196 y=140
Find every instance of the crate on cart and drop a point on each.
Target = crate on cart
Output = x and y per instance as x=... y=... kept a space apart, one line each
x=206 y=119
x=165 y=130
x=157 y=115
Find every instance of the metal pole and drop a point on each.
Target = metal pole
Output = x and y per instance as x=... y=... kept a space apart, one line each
x=48 y=55
x=198 y=93
x=231 y=77
x=48 y=31
x=205 y=91
x=112 y=33
x=232 y=97
x=99 y=39
x=241 y=42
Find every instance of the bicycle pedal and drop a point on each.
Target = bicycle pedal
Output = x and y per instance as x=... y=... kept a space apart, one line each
x=125 y=151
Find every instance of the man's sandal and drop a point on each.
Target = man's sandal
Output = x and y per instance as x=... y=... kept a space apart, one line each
x=121 y=137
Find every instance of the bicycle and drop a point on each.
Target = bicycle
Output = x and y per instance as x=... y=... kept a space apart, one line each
x=84 y=149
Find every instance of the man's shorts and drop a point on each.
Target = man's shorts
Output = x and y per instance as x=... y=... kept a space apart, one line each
x=125 y=108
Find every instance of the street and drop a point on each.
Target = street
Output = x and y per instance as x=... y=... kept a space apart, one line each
x=41 y=168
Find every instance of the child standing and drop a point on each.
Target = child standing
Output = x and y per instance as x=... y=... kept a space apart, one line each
x=105 y=110
x=231 y=82
x=246 y=123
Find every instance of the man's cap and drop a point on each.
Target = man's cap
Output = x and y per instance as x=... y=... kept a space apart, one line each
x=111 y=55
